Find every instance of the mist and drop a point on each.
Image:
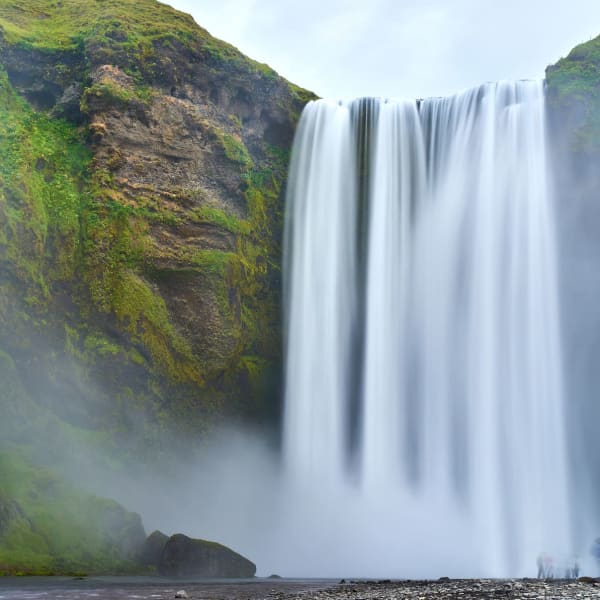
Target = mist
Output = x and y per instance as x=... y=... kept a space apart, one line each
x=577 y=180
x=233 y=490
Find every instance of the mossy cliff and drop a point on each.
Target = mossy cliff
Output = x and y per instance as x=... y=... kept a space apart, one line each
x=573 y=91
x=141 y=172
x=574 y=96
x=142 y=165
x=574 y=110
x=49 y=527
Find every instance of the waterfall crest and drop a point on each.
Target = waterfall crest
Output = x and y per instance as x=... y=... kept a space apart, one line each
x=423 y=356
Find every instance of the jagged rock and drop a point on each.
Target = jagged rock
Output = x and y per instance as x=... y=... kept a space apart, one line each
x=184 y=556
x=152 y=549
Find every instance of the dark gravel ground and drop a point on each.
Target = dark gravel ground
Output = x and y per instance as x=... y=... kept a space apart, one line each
x=465 y=589
x=262 y=589
x=154 y=588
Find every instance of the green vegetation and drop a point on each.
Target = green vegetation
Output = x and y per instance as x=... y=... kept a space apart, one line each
x=116 y=95
x=42 y=162
x=139 y=300
x=50 y=527
x=220 y=218
x=133 y=35
x=94 y=252
x=235 y=150
x=574 y=88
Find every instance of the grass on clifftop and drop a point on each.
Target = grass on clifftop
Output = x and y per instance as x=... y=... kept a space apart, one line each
x=64 y=24
x=574 y=82
x=127 y=30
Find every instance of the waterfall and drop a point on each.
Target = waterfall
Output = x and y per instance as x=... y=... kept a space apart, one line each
x=423 y=354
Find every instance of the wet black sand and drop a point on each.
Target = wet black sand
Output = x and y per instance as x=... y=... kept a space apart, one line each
x=149 y=588
x=286 y=589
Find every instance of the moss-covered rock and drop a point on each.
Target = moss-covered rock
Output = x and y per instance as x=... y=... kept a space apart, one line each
x=47 y=526
x=141 y=173
x=574 y=95
x=187 y=557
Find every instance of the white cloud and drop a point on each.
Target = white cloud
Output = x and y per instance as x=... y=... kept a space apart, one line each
x=416 y=48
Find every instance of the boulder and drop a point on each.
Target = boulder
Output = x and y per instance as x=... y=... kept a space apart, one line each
x=184 y=556
x=152 y=549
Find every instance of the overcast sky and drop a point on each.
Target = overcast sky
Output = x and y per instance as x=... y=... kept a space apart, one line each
x=410 y=48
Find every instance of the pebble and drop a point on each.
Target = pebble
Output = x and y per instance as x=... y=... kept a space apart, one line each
x=453 y=589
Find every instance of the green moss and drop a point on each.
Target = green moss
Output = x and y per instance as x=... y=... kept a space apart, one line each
x=234 y=148
x=135 y=36
x=84 y=249
x=60 y=529
x=42 y=166
x=102 y=346
x=146 y=318
x=574 y=86
x=117 y=95
x=61 y=26
x=220 y=218
x=213 y=262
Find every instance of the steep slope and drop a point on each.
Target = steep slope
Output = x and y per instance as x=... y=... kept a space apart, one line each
x=574 y=106
x=574 y=96
x=141 y=171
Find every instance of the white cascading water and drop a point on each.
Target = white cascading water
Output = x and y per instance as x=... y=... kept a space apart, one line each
x=427 y=324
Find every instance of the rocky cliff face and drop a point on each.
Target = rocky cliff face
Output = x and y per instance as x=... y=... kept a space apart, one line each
x=141 y=172
x=142 y=165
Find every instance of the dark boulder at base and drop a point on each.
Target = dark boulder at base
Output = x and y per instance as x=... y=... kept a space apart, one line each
x=184 y=556
x=152 y=549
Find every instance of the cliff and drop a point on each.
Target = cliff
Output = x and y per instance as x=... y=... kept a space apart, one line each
x=141 y=172
x=574 y=119
x=142 y=165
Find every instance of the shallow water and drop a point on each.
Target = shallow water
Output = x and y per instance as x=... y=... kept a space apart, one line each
x=151 y=588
